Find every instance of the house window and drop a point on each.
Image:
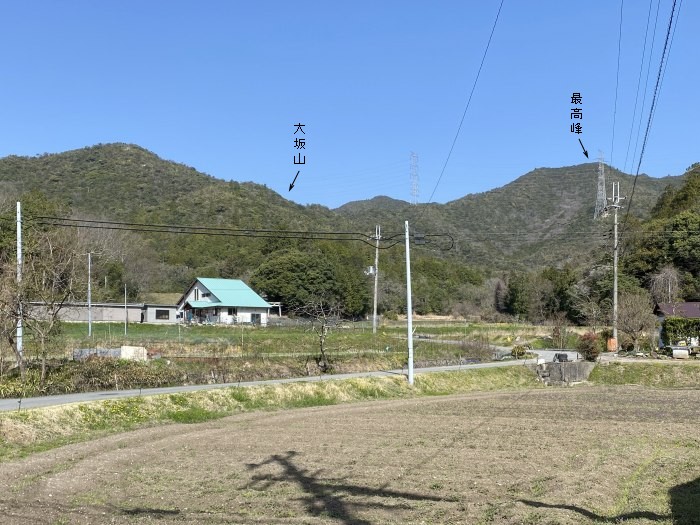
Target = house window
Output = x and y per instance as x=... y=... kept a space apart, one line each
x=196 y=294
x=216 y=311
x=232 y=311
x=205 y=295
x=163 y=315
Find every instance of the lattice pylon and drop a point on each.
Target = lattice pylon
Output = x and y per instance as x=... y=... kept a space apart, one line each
x=601 y=201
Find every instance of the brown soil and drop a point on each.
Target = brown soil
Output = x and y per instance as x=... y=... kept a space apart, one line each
x=556 y=456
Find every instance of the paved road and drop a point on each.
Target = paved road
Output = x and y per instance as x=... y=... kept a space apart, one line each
x=547 y=355
x=46 y=401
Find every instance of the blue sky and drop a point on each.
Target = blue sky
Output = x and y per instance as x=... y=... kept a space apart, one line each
x=219 y=85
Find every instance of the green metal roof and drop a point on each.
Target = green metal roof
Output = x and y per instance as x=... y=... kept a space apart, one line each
x=204 y=304
x=230 y=293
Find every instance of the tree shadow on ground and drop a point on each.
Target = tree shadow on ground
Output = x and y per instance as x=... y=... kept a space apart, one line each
x=684 y=500
x=652 y=516
x=685 y=503
x=330 y=496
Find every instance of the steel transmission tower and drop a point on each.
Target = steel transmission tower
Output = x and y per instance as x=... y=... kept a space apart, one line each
x=601 y=201
x=414 y=178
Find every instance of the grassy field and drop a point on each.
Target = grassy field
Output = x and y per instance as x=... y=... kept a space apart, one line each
x=272 y=340
x=200 y=354
x=666 y=374
x=586 y=455
x=437 y=342
x=347 y=336
x=204 y=354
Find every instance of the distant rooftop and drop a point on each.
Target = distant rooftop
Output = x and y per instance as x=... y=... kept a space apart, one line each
x=687 y=310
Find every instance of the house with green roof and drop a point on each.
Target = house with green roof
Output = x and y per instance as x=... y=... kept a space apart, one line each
x=225 y=301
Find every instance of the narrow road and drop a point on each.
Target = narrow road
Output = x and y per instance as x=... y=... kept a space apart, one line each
x=47 y=401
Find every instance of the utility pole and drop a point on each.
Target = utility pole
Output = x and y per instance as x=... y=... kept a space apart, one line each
x=89 y=294
x=409 y=309
x=377 y=236
x=126 y=311
x=19 y=336
x=615 y=206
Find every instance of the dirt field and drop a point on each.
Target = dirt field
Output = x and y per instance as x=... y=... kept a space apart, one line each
x=555 y=456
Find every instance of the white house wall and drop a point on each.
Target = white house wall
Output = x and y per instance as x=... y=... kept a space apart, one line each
x=152 y=311
x=245 y=315
x=197 y=294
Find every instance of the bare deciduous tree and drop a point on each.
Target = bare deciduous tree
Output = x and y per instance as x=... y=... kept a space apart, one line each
x=665 y=285
x=52 y=276
x=49 y=279
x=591 y=311
x=324 y=316
x=635 y=316
x=10 y=312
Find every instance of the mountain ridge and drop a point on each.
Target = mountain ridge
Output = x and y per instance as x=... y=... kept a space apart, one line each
x=540 y=218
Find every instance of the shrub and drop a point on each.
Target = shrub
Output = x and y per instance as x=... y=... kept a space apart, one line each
x=390 y=315
x=676 y=329
x=589 y=346
x=519 y=351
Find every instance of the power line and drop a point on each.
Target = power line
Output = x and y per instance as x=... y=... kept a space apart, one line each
x=617 y=81
x=646 y=83
x=652 y=109
x=391 y=240
x=469 y=100
x=670 y=45
x=639 y=82
x=202 y=228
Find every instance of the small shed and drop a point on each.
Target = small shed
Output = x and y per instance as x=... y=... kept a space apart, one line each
x=160 y=313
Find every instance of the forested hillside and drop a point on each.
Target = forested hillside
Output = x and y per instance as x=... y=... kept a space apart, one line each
x=543 y=219
x=663 y=253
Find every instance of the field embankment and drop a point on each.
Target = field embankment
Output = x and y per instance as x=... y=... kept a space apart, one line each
x=31 y=430
x=667 y=374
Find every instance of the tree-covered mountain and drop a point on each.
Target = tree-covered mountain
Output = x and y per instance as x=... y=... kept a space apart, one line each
x=543 y=218
x=663 y=252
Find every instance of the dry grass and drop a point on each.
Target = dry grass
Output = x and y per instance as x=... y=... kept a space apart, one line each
x=666 y=374
x=30 y=430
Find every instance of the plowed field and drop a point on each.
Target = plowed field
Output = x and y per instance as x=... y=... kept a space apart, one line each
x=555 y=456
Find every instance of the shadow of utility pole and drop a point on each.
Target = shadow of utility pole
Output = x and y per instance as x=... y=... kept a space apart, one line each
x=330 y=499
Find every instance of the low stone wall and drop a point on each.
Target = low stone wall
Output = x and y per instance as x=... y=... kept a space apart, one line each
x=133 y=353
x=572 y=372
